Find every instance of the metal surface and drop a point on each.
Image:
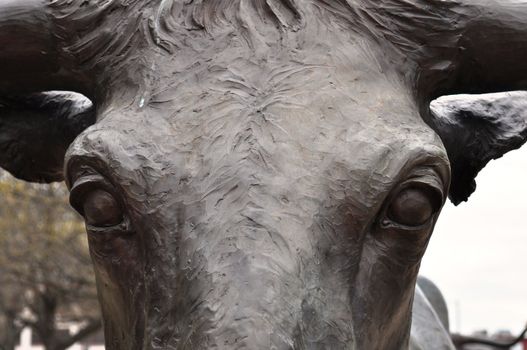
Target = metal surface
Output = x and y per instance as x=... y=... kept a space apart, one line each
x=260 y=174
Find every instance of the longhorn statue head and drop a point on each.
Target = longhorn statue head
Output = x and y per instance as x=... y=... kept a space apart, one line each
x=260 y=174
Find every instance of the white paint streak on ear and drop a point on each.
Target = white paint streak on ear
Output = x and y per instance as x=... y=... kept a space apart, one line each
x=476 y=129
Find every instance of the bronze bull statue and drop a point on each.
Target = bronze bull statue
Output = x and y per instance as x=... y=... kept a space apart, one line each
x=261 y=174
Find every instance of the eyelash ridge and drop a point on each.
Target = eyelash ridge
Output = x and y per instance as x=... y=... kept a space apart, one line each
x=420 y=177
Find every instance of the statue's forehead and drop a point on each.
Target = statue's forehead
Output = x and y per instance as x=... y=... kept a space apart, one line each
x=283 y=113
x=288 y=141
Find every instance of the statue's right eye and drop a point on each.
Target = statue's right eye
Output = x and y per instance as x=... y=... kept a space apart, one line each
x=94 y=198
x=101 y=209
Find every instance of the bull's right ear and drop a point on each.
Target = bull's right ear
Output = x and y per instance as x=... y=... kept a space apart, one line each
x=476 y=129
x=37 y=129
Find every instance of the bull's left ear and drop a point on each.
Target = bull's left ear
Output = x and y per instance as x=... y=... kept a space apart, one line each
x=37 y=129
x=476 y=129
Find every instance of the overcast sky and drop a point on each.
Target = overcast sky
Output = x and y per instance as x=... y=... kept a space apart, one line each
x=478 y=252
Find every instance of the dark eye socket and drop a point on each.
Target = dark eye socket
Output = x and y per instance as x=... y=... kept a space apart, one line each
x=414 y=206
x=101 y=209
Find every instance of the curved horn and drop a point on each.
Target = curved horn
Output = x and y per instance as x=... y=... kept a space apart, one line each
x=31 y=58
x=444 y=47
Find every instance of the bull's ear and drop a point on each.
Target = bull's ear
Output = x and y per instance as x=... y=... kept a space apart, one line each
x=476 y=129
x=36 y=130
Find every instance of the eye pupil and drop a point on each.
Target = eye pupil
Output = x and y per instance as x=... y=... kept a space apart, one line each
x=101 y=209
x=413 y=207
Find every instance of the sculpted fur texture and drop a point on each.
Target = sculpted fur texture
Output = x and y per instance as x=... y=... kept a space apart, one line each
x=261 y=174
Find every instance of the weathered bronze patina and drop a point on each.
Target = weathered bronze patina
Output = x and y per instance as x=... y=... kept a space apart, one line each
x=261 y=174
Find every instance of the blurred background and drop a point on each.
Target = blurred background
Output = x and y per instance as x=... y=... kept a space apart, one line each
x=47 y=288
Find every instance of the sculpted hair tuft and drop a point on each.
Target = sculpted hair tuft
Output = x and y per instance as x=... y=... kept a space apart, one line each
x=179 y=17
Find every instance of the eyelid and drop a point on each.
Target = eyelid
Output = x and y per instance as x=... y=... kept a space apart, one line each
x=82 y=166
x=86 y=184
x=424 y=177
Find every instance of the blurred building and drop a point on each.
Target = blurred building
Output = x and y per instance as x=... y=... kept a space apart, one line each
x=503 y=336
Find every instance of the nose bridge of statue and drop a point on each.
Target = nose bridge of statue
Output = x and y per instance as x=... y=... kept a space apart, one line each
x=194 y=197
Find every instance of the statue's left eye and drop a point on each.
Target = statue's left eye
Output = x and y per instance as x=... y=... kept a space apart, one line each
x=101 y=209
x=414 y=206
